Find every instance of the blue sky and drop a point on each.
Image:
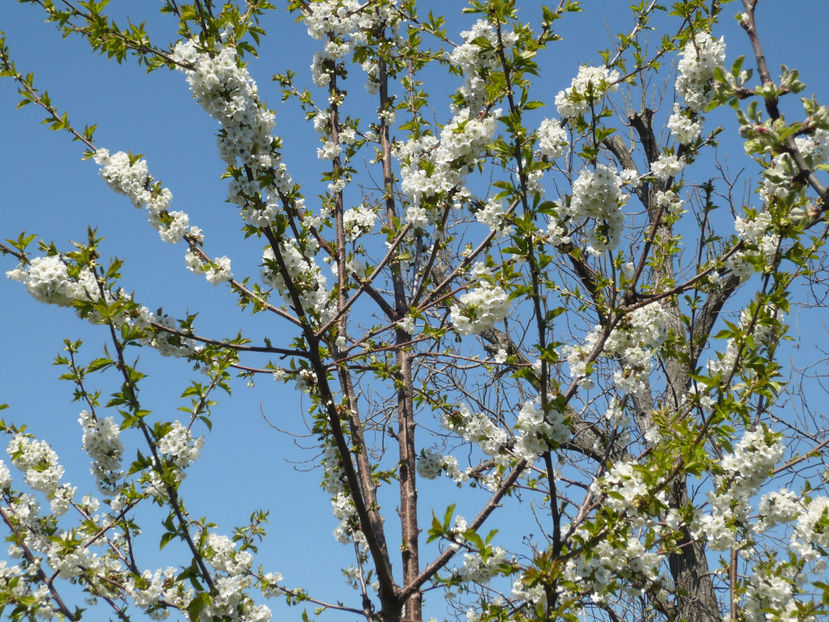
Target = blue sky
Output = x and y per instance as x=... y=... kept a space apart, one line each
x=49 y=191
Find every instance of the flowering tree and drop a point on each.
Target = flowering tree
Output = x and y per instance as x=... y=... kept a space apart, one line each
x=539 y=301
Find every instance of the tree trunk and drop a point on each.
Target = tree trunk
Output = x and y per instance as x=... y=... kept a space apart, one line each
x=695 y=597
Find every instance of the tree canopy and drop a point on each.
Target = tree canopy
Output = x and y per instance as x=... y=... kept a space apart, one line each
x=517 y=296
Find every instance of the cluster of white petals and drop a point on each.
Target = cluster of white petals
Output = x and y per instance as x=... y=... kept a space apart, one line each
x=770 y=596
x=810 y=538
x=47 y=280
x=669 y=200
x=344 y=25
x=130 y=176
x=102 y=441
x=37 y=461
x=685 y=129
x=431 y=463
x=633 y=341
x=666 y=166
x=179 y=446
x=587 y=89
x=552 y=139
x=229 y=94
x=744 y=471
x=814 y=147
x=306 y=277
x=476 y=428
x=762 y=332
x=479 y=569
x=358 y=221
x=215 y=272
x=493 y=215
x=700 y=58
x=609 y=561
x=474 y=57
x=628 y=490
x=597 y=195
x=758 y=233
x=153 y=592
x=224 y=557
x=5 y=477
x=480 y=309
x=530 y=592
x=431 y=166
x=777 y=507
x=538 y=431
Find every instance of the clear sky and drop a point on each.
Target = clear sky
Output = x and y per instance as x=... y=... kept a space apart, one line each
x=48 y=190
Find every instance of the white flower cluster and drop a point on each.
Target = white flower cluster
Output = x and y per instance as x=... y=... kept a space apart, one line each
x=431 y=463
x=634 y=341
x=769 y=595
x=128 y=176
x=762 y=334
x=345 y=511
x=811 y=533
x=234 y=575
x=482 y=307
x=533 y=595
x=777 y=507
x=479 y=570
x=69 y=558
x=586 y=90
x=228 y=94
x=47 y=280
x=477 y=428
x=744 y=471
x=667 y=166
x=358 y=221
x=696 y=70
x=670 y=201
x=344 y=26
x=167 y=344
x=102 y=441
x=628 y=489
x=552 y=139
x=153 y=592
x=5 y=477
x=42 y=471
x=475 y=58
x=757 y=231
x=306 y=277
x=37 y=461
x=342 y=505
x=814 y=147
x=539 y=432
x=217 y=271
x=607 y=561
x=685 y=128
x=597 y=195
x=179 y=446
x=493 y=215
x=430 y=166
x=332 y=479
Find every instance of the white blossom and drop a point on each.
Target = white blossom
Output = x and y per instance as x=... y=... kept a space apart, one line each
x=588 y=87
x=696 y=70
x=482 y=307
x=552 y=139
x=684 y=129
x=597 y=195
x=102 y=441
